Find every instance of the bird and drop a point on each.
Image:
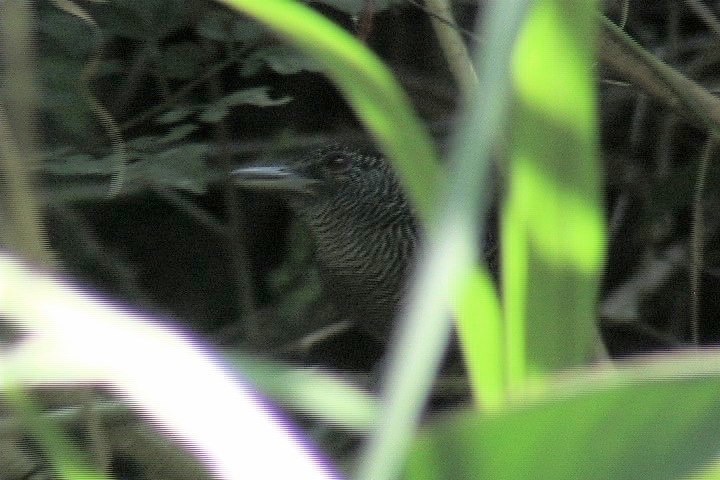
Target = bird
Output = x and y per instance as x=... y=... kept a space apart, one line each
x=365 y=230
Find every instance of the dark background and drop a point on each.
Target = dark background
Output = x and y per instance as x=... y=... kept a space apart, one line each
x=234 y=266
x=196 y=90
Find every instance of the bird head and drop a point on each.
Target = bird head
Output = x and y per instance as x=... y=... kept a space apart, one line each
x=338 y=179
x=364 y=229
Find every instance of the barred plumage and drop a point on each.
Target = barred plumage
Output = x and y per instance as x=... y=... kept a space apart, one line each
x=364 y=229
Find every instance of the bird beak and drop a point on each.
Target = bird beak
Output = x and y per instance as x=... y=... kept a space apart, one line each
x=274 y=177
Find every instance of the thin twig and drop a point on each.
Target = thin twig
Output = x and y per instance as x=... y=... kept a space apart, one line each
x=19 y=202
x=456 y=53
x=625 y=13
x=177 y=96
x=469 y=34
x=365 y=21
x=236 y=238
x=705 y=14
x=697 y=239
x=657 y=78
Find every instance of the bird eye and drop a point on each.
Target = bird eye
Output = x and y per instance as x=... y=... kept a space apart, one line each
x=338 y=163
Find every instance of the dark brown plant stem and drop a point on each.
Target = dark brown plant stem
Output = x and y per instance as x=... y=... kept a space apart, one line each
x=697 y=239
x=236 y=230
x=658 y=79
x=20 y=208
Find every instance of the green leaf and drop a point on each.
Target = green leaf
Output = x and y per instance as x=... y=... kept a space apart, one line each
x=81 y=164
x=62 y=101
x=177 y=114
x=180 y=132
x=182 y=167
x=145 y=142
x=282 y=59
x=553 y=224
x=181 y=61
x=221 y=26
x=215 y=25
x=654 y=420
x=75 y=37
x=319 y=394
x=254 y=96
x=257 y=96
x=144 y=19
